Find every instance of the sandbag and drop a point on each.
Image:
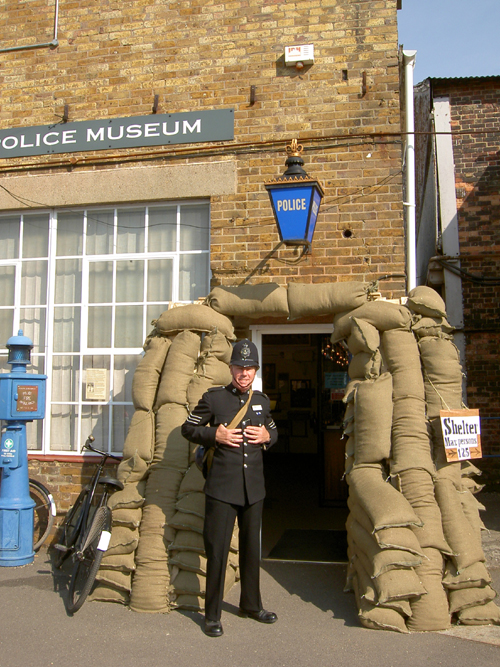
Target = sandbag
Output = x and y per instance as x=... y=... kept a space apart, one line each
x=377 y=617
x=147 y=374
x=364 y=337
x=192 y=481
x=123 y=540
x=426 y=301
x=383 y=315
x=365 y=365
x=103 y=593
x=473 y=576
x=149 y=590
x=401 y=354
x=411 y=441
x=442 y=375
x=417 y=486
x=384 y=505
x=171 y=449
x=253 y=301
x=432 y=326
x=461 y=598
x=140 y=437
x=464 y=541
x=373 y=420
x=178 y=369
x=398 y=584
x=127 y=517
x=131 y=496
x=430 y=612
x=133 y=469
x=189 y=560
x=195 y=318
x=307 y=300
x=486 y=614
x=115 y=578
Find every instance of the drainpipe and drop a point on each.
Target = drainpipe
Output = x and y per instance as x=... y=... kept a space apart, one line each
x=409 y=160
x=53 y=44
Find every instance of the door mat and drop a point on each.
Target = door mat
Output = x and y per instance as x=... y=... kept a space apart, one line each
x=311 y=546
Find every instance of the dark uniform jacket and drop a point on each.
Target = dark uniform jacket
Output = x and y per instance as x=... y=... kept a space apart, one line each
x=234 y=470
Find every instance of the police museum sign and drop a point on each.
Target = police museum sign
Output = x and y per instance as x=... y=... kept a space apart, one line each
x=105 y=134
x=461 y=434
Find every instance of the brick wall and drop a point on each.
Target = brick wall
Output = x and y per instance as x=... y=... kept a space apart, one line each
x=115 y=56
x=475 y=114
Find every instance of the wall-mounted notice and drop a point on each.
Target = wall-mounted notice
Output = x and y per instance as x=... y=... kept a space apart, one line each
x=461 y=434
x=96 y=384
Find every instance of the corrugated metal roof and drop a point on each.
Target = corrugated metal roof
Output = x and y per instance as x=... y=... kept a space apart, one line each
x=465 y=78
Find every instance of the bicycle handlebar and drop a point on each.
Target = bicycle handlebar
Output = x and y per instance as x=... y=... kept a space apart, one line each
x=87 y=445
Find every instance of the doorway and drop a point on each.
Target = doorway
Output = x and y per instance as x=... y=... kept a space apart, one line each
x=304 y=378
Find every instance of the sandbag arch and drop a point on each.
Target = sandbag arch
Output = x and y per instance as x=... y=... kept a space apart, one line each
x=376 y=557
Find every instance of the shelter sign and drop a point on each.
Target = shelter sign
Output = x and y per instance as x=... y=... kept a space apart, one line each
x=108 y=133
x=461 y=434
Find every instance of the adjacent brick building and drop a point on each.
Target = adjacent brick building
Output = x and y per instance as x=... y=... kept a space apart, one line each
x=96 y=243
x=472 y=106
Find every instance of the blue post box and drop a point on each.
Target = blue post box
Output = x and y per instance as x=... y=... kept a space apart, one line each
x=22 y=399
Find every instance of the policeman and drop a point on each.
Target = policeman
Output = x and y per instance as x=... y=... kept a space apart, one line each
x=235 y=482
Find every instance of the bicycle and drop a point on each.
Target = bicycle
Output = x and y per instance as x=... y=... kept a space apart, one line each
x=44 y=512
x=86 y=531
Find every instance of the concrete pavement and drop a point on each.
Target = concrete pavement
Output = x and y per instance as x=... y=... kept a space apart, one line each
x=317 y=626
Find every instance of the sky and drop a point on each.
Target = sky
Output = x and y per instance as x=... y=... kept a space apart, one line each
x=453 y=38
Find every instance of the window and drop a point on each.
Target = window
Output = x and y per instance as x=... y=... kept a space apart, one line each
x=84 y=286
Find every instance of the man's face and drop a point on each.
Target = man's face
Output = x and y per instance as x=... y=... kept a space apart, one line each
x=243 y=376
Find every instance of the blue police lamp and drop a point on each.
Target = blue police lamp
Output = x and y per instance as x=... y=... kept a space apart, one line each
x=295 y=198
x=22 y=399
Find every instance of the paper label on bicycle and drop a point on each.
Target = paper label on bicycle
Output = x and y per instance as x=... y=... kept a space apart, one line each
x=461 y=434
x=104 y=540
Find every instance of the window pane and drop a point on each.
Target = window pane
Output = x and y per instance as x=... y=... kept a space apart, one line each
x=130 y=233
x=160 y=279
x=32 y=322
x=68 y=283
x=63 y=428
x=36 y=235
x=34 y=283
x=162 y=229
x=130 y=281
x=194 y=227
x=99 y=326
x=67 y=329
x=125 y=366
x=193 y=277
x=100 y=232
x=100 y=282
x=69 y=234
x=95 y=420
x=9 y=237
x=6 y=327
x=7 y=282
x=128 y=326
x=122 y=415
x=34 y=435
x=65 y=378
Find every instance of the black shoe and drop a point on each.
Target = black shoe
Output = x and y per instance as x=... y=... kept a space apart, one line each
x=213 y=629
x=262 y=616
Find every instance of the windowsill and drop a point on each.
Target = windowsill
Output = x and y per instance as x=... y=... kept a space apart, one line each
x=65 y=458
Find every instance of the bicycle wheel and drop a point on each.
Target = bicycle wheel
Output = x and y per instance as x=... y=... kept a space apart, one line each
x=43 y=512
x=88 y=559
x=71 y=528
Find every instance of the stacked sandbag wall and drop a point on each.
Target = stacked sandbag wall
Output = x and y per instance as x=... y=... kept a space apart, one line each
x=404 y=369
x=156 y=555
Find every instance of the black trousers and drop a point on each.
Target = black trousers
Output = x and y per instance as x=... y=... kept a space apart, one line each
x=217 y=533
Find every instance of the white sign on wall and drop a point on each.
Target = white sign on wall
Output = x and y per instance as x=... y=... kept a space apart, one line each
x=461 y=434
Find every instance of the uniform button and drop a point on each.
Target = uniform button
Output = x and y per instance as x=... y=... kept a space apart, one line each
x=245 y=454
x=245 y=465
x=244 y=445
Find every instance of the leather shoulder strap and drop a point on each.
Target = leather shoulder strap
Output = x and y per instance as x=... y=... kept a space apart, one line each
x=241 y=413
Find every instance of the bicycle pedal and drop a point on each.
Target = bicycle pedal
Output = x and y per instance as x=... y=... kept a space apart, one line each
x=61 y=547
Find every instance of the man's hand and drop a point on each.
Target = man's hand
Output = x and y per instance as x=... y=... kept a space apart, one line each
x=232 y=437
x=256 y=435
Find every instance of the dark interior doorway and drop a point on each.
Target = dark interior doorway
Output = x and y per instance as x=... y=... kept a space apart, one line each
x=304 y=376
